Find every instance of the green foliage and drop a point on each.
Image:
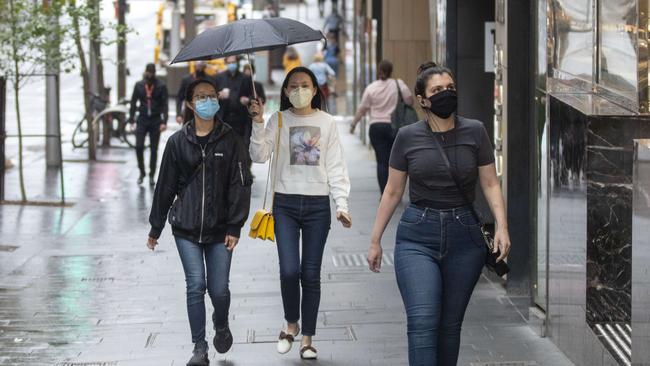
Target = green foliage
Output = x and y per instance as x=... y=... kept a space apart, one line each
x=30 y=36
x=30 y=39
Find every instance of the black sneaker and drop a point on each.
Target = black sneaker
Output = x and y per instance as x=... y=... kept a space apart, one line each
x=222 y=339
x=141 y=179
x=152 y=182
x=199 y=355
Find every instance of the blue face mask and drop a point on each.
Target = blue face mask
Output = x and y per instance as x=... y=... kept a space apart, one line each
x=207 y=108
x=232 y=67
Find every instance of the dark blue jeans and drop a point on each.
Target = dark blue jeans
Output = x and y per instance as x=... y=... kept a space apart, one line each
x=439 y=255
x=196 y=258
x=310 y=216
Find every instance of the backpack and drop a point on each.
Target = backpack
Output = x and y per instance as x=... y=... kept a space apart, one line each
x=404 y=114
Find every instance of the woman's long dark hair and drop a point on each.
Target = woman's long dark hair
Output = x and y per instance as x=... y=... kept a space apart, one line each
x=317 y=102
x=189 y=94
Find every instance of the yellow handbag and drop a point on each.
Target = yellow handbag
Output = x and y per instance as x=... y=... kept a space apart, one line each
x=263 y=224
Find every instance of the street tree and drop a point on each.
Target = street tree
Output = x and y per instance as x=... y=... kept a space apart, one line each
x=86 y=25
x=27 y=49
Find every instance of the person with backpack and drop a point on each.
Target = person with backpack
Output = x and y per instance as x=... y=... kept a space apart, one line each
x=380 y=99
x=204 y=191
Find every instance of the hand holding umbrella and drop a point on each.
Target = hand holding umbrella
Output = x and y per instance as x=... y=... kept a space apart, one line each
x=256 y=110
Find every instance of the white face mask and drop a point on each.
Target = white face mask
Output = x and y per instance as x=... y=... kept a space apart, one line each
x=301 y=97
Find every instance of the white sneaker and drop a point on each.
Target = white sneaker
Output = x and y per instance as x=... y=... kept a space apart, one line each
x=308 y=353
x=285 y=341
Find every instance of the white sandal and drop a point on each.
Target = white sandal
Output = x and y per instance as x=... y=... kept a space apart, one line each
x=285 y=341
x=308 y=353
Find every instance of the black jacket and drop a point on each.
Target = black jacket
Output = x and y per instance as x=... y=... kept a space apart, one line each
x=207 y=189
x=240 y=85
x=159 y=100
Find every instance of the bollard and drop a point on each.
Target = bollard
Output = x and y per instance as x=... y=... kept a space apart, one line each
x=52 y=120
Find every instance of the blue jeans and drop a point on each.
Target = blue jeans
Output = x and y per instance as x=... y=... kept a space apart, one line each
x=439 y=255
x=310 y=216
x=196 y=258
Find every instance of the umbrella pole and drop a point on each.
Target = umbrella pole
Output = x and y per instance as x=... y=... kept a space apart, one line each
x=248 y=58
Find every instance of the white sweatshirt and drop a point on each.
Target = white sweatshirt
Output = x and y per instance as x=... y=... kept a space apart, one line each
x=311 y=158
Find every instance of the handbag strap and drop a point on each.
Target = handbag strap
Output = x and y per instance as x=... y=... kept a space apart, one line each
x=451 y=172
x=274 y=166
x=399 y=93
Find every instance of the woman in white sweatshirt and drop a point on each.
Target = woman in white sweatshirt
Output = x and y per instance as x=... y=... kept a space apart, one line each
x=310 y=168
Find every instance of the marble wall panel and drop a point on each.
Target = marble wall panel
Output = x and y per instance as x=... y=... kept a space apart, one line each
x=591 y=229
x=641 y=255
x=567 y=229
x=610 y=154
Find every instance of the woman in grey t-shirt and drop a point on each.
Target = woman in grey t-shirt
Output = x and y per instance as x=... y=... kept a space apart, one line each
x=439 y=249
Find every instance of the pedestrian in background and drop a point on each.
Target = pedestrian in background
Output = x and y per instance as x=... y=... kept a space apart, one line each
x=291 y=59
x=439 y=249
x=380 y=99
x=204 y=178
x=310 y=167
x=150 y=99
x=235 y=92
x=199 y=73
x=334 y=24
x=332 y=53
x=323 y=73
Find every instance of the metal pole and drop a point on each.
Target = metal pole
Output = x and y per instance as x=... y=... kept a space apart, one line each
x=175 y=42
x=57 y=81
x=121 y=49
x=355 y=49
x=362 y=62
x=52 y=127
x=190 y=23
x=3 y=132
x=52 y=145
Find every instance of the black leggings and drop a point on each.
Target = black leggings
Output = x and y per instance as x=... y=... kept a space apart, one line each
x=381 y=138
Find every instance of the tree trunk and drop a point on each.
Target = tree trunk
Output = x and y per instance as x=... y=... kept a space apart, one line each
x=21 y=176
x=86 y=84
x=14 y=51
x=104 y=94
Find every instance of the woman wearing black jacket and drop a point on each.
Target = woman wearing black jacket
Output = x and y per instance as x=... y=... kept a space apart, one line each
x=204 y=178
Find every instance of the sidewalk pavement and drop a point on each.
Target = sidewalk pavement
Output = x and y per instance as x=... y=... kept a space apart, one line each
x=78 y=287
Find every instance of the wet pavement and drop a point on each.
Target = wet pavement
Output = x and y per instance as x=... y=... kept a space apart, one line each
x=78 y=287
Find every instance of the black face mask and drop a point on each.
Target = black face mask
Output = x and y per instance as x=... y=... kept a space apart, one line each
x=443 y=104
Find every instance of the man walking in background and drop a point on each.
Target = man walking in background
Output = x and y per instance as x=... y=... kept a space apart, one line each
x=150 y=99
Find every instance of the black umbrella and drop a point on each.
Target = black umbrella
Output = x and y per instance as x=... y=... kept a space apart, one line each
x=247 y=36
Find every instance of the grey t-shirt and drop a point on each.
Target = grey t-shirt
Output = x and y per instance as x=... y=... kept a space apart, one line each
x=467 y=146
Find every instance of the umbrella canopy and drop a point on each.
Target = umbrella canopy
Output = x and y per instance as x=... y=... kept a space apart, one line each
x=247 y=36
